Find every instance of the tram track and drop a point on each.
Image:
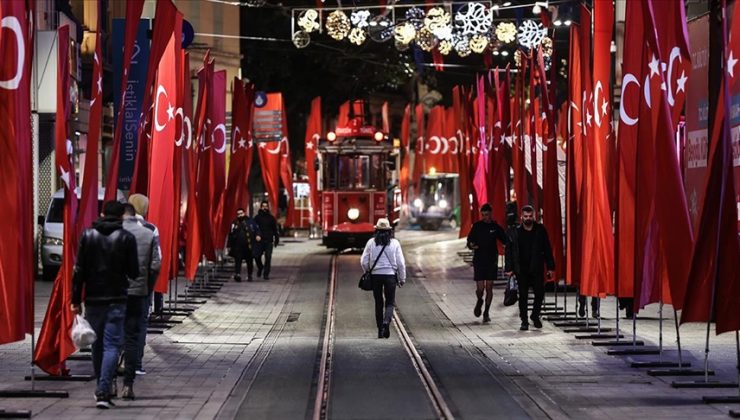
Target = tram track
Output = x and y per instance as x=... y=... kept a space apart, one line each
x=323 y=395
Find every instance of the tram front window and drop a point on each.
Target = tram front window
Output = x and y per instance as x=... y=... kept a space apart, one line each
x=348 y=172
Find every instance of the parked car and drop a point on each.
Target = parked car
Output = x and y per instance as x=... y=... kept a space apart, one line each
x=53 y=231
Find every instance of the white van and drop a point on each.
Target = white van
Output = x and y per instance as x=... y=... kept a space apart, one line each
x=53 y=232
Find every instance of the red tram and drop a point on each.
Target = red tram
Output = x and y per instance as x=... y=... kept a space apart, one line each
x=355 y=167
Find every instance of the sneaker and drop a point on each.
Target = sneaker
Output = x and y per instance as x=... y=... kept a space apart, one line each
x=486 y=318
x=103 y=403
x=581 y=311
x=128 y=392
x=478 y=307
x=140 y=372
x=524 y=327
x=537 y=323
x=386 y=331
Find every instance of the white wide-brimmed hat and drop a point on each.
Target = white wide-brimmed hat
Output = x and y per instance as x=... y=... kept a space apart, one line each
x=383 y=224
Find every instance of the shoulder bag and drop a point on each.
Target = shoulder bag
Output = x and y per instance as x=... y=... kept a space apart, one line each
x=366 y=281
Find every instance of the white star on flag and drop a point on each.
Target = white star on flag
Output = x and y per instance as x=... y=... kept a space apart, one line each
x=309 y=145
x=588 y=118
x=242 y=143
x=65 y=176
x=170 y=112
x=654 y=66
x=100 y=83
x=250 y=143
x=731 y=61
x=681 y=81
x=604 y=105
x=263 y=145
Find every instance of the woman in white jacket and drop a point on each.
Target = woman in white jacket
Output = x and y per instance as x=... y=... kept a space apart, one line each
x=389 y=271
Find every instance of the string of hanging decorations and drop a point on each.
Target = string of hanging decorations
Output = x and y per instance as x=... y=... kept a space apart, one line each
x=461 y=27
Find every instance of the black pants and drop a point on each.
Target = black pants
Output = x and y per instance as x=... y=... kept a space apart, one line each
x=266 y=250
x=384 y=285
x=136 y=307
x=537 y=283
x=595 y=302
x=239 y=259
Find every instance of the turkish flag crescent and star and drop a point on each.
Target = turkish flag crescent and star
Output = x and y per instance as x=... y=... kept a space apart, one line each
x=161 y=183
x=574 y=159
x=217 y=155
x=714 y=268
x=55 y=344
x=16 y=190
x=133 y=15
x=313 y=134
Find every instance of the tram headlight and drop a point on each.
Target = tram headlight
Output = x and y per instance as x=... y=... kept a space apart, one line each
x=379 y=136
x=418 y=203
x=353 y=214
x=331 y=136
x=442 y=204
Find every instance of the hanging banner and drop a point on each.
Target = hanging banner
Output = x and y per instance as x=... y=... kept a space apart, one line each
x=134 y=94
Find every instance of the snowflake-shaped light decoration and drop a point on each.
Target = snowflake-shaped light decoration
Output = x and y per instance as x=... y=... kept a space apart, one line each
x=309 y=21
x=445 y=46
x=547 y=46
x=301 y=39
x=531 y=34
x=478 y=43
x=436 y=18
x=360 y=18
x=506 y=32
x=415 y=15
x=405 y=33
x=443 y=32
x=477 y=19
x=357 y=36
x=462 y=44
x=337 y=25
x=425 y=39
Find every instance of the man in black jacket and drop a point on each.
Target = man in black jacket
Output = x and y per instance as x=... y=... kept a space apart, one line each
x=243 y=234
x=482 y=240
x=106 y=259
x=528 y=253
x=269 y=232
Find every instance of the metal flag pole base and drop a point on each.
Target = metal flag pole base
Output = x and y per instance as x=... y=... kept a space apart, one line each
x=63 y=378
x=569 y=324
x=734 y=414
x=734 y=399
x=33 y=393
x=597 y=335
x=15 y=414
x=679 y=372
x=658 y=364
x=633 y=351
x=617 y=343
x=703 y=384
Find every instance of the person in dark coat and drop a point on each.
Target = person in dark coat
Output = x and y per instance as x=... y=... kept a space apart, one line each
x=527 y=255
x=243 y=234
x=106 y=260
x=270 y=236
x=482 y=240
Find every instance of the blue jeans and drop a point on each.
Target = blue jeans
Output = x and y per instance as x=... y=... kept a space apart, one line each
x=136 y=310
x=107 y=322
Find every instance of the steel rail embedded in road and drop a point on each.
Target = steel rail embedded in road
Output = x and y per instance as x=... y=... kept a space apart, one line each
x=322 y=388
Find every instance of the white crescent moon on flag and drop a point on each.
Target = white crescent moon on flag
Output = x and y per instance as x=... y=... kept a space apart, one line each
x=179 y=141
x=186 y=122
x=420 y=145
x=12 y=23
x=646 y=91
x=446 y=145
x=628 y=78
x=275 y=150
x=235 y=135
x=222 y=129
x=675 y=53
x=597 y=114
x=436 y=149
x=160 y=91
x=457 y=144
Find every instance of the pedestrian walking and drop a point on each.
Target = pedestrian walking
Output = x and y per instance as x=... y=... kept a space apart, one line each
x=137 y=303
x=270 y=237
x=105 y=261
x=527 y=255
x=482 y=240
x=386 y=254
x=243 y=235
x=141 y=205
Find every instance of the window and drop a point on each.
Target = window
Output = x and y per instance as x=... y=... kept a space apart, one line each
x=354 y=172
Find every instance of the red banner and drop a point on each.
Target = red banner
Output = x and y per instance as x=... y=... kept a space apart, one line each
x=16 y=190
x=498 y=193
x=286 y=176
x=204 y=131
x=480 y=174
x=269 y=120
x=313 y=134
x=405 y=154
x=133 y=15
x=55 y=344
x=574 y=159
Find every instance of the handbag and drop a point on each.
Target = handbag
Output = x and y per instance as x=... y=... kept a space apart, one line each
x=82 y=333
x=366 y=281
x=511 y=295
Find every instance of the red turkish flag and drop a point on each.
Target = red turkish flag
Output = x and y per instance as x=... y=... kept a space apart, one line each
x=55 y=344
x=162 y=202
x=574 y=159
x=89 y=199
x=194 y=237
x=419 y=145
x=183 y=140
x=313 y=135
x=405 y=156
x=286 y=176
x=165 y=17
x=16 y=190
x=498 y=191
x=480 y=175
x=204 y=133
x=518 y=127
x=215 y=153
x=714 y=267
x=270 y=150
x=343 y=116
x=133 y=15
x=463 y=109
x=242 y=149
x=436 y=141
x=451 y=140
x=385 y=119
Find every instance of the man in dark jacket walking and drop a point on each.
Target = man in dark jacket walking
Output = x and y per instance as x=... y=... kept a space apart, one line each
x=105 y=261
x=243 y=234
x=269 y=230
x=482 y=240
x=528 y=253
x=140 y=287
